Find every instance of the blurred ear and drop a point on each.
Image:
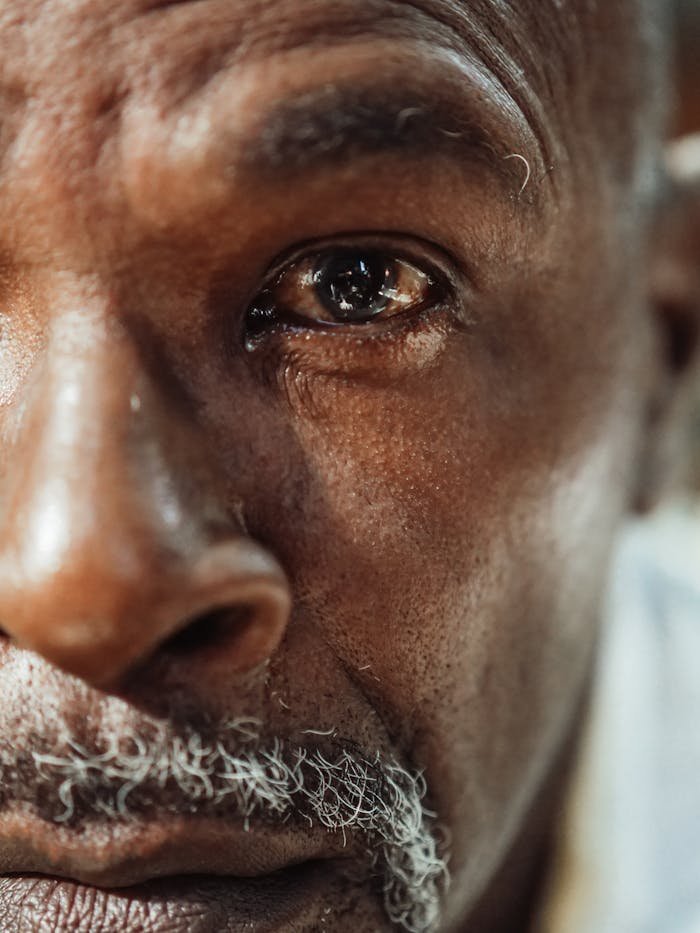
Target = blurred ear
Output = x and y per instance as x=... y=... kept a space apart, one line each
x=675 y=285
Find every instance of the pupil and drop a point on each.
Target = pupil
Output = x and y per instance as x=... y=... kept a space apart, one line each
x=354 y=286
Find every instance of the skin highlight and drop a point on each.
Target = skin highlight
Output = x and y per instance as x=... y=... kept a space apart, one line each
x=395 y=531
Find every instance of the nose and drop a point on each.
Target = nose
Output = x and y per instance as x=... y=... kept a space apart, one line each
x=115 y=538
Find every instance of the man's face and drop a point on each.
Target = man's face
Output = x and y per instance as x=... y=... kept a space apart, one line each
x=332 y=306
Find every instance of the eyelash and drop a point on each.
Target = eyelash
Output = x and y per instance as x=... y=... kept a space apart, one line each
x=273 y=320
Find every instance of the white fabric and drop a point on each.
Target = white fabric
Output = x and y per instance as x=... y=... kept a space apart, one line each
x=631 y=856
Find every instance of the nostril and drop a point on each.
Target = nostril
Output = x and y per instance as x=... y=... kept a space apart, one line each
x=211 y=630
x=221 y=609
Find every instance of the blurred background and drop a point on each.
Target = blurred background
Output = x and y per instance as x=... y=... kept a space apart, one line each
x=688 y=66
x=687 y=120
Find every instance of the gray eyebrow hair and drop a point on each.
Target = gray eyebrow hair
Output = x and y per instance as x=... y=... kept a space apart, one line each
x=337 y=125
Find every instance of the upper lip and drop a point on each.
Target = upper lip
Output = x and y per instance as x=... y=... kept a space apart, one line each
x=135 y=852
x=172 y=839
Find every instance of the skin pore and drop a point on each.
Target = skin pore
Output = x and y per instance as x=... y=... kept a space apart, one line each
x=228 y=495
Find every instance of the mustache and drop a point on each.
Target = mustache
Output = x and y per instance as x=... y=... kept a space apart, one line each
x=227 y=769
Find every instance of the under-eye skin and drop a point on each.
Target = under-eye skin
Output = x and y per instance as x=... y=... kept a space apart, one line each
x=344 y=288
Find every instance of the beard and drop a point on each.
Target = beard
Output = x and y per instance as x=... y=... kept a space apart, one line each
x=227 y=770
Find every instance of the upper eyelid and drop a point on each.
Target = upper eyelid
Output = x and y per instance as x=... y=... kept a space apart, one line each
x=432 y=279
x=447 y=272
x=309 y=260
x=427 y=274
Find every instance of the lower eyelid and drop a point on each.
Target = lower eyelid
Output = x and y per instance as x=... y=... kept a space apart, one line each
x=378 y=359
x=310 y=342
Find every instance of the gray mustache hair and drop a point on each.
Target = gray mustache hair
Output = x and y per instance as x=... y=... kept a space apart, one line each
x=331 y=785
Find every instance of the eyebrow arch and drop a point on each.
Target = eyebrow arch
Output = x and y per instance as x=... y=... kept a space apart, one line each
x=337 y=125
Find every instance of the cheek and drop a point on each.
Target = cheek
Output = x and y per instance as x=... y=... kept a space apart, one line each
x=447 y=543
x=421 y=503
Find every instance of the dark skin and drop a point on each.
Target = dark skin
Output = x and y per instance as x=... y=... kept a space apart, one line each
x=416 y=510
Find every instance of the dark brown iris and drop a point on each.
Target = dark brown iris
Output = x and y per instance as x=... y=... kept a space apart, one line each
x=354 y=286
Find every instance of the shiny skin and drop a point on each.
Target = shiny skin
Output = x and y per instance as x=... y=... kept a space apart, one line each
x=419 y=517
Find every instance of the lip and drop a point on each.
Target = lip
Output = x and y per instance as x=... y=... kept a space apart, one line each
x=132 y=853
x=209 y=869
x=289 y=899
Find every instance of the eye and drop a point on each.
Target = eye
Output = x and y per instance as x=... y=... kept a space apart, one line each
x=341 y=287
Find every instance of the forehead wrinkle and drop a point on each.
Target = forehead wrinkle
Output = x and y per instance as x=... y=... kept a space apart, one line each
x=186 y=42
x=166 y=58
x=520 y=50
x=436 y=36
x=584 y=73
x=488 y=30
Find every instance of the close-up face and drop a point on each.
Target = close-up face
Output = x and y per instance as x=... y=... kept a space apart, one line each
x=325 y=361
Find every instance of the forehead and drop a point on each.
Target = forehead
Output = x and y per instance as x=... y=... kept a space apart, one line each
x=91 y=81
x=536 y=51
x=176 y=42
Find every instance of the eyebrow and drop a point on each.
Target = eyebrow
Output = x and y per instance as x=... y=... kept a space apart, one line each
x=338 y=125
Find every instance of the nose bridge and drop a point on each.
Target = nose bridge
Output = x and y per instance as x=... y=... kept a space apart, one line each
x=113 y=535
x=90 y=491
x=80 y=462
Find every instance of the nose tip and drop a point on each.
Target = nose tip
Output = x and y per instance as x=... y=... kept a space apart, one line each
x=99 y=623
